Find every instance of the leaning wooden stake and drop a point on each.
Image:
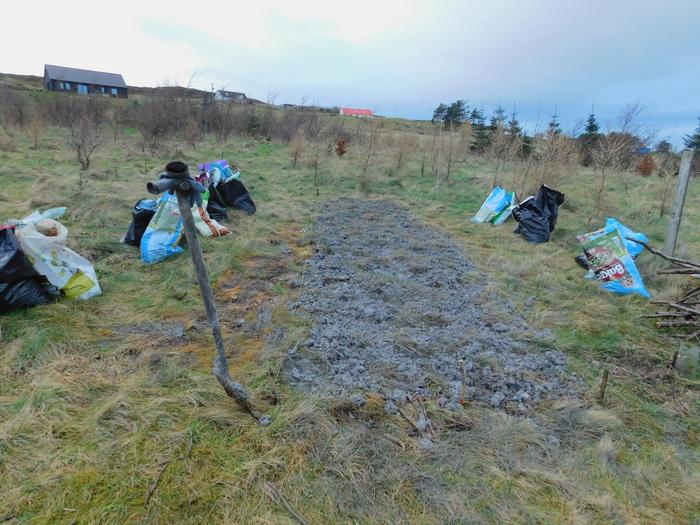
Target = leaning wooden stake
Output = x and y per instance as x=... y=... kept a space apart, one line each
x=679 y=200
x=235 y=390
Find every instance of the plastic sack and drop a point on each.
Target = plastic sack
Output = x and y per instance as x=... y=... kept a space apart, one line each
x=36 y=216
x=205 y=225
x=20 y=284
x=611 y=263
x=492 y=206
x=43 y=242
x=142 y=213
x=502 y=216
x=632 y=247
x=163 y=233
x=537 y=216
x=235 y=194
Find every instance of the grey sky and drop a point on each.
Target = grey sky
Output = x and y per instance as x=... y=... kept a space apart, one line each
x=392 y=56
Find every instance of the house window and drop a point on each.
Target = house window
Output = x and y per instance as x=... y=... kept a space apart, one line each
x=114 y=91
x=82 y=89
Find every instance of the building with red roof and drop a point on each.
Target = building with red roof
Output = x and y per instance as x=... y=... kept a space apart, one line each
x=352 y=112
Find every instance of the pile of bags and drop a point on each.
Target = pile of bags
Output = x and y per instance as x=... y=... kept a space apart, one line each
x=536 y=215
x=36 y=266
x=609 y=254
x=156 y=225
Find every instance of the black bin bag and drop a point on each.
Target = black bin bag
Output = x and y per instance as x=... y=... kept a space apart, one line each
x=20 y=284
x=216 y=207
x=141 y=214
x=537 y=216
x=236 y=195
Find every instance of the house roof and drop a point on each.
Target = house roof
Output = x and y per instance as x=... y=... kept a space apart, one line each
x=84 y=76
x=356 y=112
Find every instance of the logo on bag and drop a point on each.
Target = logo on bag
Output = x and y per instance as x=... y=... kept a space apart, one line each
x=615 y=271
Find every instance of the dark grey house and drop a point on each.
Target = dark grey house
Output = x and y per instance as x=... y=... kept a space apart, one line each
x=84 y=81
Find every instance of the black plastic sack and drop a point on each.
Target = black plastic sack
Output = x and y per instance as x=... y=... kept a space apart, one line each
x=20 y=284
x=216 y=208
x=236 y=195
x=141 y=214
x=537 y=216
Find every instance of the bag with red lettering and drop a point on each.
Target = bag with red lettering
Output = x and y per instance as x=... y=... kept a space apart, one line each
x=611 y=263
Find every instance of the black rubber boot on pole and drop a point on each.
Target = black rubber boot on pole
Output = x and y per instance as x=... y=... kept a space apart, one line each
x=184 y=187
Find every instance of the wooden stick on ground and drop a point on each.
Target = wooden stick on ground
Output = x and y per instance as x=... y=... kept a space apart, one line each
x=233 y=389
x=154 y=485
x=674 y=260
x=276 y=495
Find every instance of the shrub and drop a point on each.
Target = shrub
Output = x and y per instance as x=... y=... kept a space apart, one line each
x=646 y=165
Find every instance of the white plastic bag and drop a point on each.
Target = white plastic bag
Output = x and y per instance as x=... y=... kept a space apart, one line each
x=206 y=226
x=43 y=242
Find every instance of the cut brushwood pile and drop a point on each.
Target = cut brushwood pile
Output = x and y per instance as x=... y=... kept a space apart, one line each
x=681 y=317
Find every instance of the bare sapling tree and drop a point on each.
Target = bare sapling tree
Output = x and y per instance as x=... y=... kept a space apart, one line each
x=15 y=108
x=608 y=155
x=362 y=180
x=36 y=126
x=466 y=132
x=405 y=146
x=315 y=132
x=118 y=118
x=192 y=132
x=434 y=149
x=451 y=150
x=85 y=137
x=498 y=151
x=297 y=146
x=553 y=154
x=86 y=131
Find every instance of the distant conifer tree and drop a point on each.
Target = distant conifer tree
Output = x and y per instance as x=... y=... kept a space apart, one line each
x=589 y=138
x=693 y=140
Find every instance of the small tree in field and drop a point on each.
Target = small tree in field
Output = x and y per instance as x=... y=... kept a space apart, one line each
x=341 y=147
x=85 y=137
x=297 y=146
x=646 y=165
x=36 y=125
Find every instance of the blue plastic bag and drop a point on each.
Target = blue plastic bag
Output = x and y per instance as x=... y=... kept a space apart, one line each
x=497 y=200
x=611 y=262
x=632 y=247
x=502 y=216
x=160 y=239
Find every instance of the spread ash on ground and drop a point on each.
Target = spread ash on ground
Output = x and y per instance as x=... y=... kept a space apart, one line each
x=397 y=309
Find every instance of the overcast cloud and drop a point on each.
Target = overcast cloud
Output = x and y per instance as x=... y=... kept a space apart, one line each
x=396 y=57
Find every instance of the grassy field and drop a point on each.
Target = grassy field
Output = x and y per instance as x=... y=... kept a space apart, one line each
x=103 y=423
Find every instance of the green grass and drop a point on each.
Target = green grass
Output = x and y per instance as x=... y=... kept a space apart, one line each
x=88 y=417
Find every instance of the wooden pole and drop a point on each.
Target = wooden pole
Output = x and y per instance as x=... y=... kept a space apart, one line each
x=603 y=386
x=679 y=201
x=233 y=389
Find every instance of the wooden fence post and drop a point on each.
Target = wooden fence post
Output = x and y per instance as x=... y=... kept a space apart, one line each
x=679 y=201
